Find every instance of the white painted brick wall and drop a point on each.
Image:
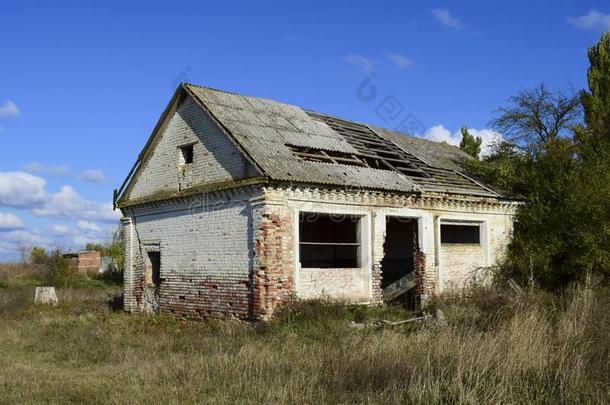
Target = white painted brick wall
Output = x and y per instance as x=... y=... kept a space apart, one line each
x=209 y=239
x=348 y=284
x=206 y=253
x=215 y=157
x=460 y=263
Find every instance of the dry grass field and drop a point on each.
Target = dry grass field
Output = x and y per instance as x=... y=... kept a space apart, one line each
x=497 y=348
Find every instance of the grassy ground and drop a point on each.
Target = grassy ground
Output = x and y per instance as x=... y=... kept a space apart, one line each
x=496 y=349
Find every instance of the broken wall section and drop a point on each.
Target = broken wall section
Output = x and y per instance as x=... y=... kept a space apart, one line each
x=273 y=266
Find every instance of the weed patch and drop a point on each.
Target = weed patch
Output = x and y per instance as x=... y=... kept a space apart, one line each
x=497 y=348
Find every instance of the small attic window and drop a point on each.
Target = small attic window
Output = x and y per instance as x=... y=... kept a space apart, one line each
x=186 y=154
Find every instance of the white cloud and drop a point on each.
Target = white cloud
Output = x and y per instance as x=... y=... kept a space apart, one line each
x=10 y=241
x=67 y=203
x=89 y=232
x=88 y=226
x=33 y=167
x=9 y=109
x=84 y=232
x=444 y=17
x=24 y=190
x=82 y=239
x=67 y=237
x=594 y=20
x=21 y=190
x=93 y=176
x=10 y=222
x=400 y=61
x=361 y=62
x=7 y=250
x=60 y=229
x=439 y=133
x=36 y=167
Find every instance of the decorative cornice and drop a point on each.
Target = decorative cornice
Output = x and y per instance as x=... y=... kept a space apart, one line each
x=194 y=201
x=430 y=201
x=261 y=191
x=201 y=189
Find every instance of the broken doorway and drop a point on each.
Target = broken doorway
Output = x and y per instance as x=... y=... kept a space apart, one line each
x=152 y=279
x=398 y=264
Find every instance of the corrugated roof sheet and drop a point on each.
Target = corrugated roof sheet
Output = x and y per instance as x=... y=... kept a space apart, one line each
x=267 y=130
x=437 y=154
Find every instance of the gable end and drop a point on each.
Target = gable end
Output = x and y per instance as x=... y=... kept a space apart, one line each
x=185 y=130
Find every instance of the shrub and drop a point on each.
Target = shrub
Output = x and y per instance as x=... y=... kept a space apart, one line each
x=61 y=274
x=38 y=255
x=112 y=276
x=115 y=250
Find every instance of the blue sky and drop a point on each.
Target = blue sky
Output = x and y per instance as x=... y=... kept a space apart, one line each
x=82 y=85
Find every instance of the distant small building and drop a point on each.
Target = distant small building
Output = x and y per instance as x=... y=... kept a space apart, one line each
x=238 y=204
x=86 y=262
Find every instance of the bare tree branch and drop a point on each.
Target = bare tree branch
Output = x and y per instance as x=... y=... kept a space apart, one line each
x=538 y=115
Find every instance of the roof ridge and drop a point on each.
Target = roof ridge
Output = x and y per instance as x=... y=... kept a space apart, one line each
x=307 y=110
x=213 y=89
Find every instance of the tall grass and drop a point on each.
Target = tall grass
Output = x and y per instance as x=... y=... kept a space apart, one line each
x=56 y=272
x=496 y=348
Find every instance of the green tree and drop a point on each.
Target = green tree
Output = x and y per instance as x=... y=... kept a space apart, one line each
x=505 y=168
x=562 y=233
x=533 y=120
x=470 y=144
x=38 y=255
x=94 y=247
x=115 y=249
x=60 y=272
x=596 y=101
x=537 y=116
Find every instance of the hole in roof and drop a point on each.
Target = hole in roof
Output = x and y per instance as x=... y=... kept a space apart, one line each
x=366 y=157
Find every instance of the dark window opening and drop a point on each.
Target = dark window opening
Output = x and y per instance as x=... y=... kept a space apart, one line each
x=468 y=234
x=187 y=154
x=328 y=241
x=398 y=249
x=153 y=269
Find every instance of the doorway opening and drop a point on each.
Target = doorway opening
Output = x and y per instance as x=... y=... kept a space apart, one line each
x=152 y=279
x=398 y=264
x=153 y=269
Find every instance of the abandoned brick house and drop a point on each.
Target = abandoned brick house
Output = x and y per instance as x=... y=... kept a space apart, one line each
x=237 y=204
x=85 y=262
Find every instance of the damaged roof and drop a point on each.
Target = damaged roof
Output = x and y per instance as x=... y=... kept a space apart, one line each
x=290 y=144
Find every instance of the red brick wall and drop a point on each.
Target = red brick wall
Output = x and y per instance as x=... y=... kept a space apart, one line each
x=273 y=276
x=198 y=296
x=86 y=262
